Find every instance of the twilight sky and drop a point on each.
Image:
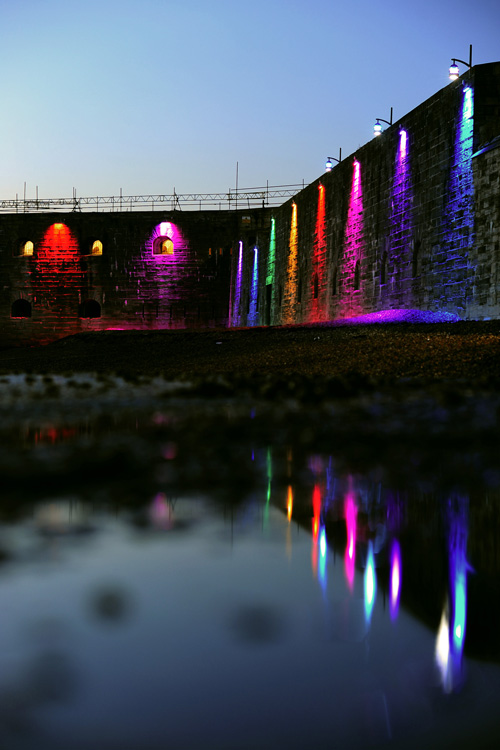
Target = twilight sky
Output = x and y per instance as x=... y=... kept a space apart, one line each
x=154 y=94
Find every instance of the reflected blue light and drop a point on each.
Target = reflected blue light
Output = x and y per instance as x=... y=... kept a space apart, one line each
x=322 y=557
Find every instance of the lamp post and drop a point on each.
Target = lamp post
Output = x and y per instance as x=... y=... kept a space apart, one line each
x=331 y=159
x=377 y=128
x=454 y=71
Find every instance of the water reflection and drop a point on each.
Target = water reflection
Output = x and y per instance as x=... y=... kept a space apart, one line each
x=223 y=615
x=350 y=552
x=396 y=573
x=451 y=634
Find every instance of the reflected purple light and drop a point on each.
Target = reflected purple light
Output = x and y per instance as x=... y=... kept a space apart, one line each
x=395 y=586
x=350 y=552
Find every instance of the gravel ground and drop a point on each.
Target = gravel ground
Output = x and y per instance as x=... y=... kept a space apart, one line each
x=359 y=357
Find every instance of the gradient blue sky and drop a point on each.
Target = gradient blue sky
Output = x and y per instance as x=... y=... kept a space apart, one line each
x=151 y=95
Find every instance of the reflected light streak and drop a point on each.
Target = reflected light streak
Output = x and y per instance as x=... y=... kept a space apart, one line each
x=350 y=511
x=370 y=583
x=395 y=590
x=322 y=557
x=442 y=652
x=160 y=512
x=316 y=500
x=289 y=503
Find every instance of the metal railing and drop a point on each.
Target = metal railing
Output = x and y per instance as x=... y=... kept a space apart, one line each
x=240 y=199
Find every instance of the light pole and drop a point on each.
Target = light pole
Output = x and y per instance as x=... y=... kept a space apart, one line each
x=331 y=159
x=377 y=128
x=454 y=71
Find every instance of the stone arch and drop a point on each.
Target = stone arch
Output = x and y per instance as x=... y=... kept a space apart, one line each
x=21 y=308
x=163 y=246
x=90 y=309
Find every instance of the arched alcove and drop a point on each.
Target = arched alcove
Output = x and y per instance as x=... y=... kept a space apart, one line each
x=90 y=309
x=21 y=308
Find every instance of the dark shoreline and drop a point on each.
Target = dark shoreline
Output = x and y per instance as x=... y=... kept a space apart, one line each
x=362 y=357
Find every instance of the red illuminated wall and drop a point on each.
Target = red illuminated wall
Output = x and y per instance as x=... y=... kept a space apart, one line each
x=129 y=286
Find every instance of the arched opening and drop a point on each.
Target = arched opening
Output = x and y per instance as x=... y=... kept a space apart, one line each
x=21 y=308
x=26 y=247
x=163 y=246
x=96 y=248
x=90 y=309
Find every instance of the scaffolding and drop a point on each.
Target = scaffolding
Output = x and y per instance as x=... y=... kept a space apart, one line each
x=244 y=198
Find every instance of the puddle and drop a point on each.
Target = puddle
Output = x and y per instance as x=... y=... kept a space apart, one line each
x=230 y=576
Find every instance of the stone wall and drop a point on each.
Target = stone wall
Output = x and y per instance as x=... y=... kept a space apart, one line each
x=409 y=221
x=64 y=287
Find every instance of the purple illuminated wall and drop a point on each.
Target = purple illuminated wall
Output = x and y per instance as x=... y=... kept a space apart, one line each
x=353 y=248
x=397 y=254
x=253 y=312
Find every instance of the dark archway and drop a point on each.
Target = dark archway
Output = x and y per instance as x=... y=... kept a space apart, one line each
x=90 y=309
x=21 y=308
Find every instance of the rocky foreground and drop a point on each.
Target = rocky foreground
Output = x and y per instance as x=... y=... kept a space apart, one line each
x=338 y=359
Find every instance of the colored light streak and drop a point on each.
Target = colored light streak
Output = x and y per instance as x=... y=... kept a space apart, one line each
x=319 y=260
x=237 y=292
x=395 y=583
x=353 y=247
x=316 y=502
x=253 y=314
x=350 y=511
x=451 y=635
x=458 y=566
x=458 y=216
x=442 y=652
x=323 y=549
x=290 y=293
x=271 y=258
x=316 y=507
x=289 y=504
x=400 y=219
x=370 y=583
